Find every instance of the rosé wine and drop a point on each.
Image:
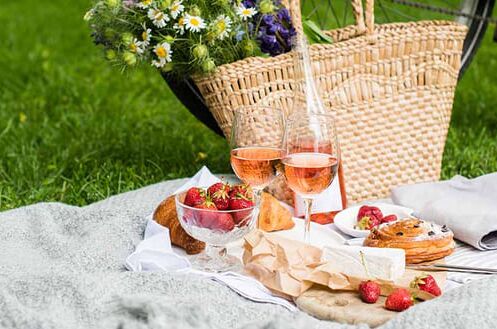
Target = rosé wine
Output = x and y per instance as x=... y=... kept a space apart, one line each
x=256 y=166
x=309 y=174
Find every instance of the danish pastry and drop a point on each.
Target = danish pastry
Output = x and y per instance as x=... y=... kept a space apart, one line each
x=422 y=241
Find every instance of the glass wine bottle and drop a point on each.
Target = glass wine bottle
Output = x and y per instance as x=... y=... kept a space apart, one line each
x=308 y=100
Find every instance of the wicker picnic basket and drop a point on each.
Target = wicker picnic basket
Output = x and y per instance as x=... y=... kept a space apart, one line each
x=390 y=86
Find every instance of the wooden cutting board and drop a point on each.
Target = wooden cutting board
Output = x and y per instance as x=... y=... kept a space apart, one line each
x=346 y=306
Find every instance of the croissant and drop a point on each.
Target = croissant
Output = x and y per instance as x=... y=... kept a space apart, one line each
x=273 y=216
x=422 y=241
x=166 y=215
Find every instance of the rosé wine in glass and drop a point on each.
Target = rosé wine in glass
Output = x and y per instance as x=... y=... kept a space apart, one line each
x=310 y=173
x=256 y=166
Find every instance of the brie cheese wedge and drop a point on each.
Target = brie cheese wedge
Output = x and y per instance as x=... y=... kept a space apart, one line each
x=382 y=263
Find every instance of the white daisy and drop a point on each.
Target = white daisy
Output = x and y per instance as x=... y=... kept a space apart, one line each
x=245 y=12
x=158 y=17
x=194 y=23
x=163 y=53
x=222 y=26
x=176 y=8
x=135 y=46
x=146 y=35
x=144 y=4
x=180 y=25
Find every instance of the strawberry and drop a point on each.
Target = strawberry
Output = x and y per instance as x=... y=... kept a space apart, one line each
x=194 y=196
x=368 y=223
x=223 y=222
x=219 y=193
x=208 y=217
x=369 y=212
x=239 y=203
x=241 y=189
x=388 y=219
x=399 y=300
x=426 y=283
x=369 y=291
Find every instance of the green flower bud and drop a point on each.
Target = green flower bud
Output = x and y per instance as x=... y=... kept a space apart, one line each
x=208 y=66
x=110 y=54
x=110 y=34
x=249 y=47
x=222 y=3
x=200 y=52
x=267 y=7
x=127 y=38
x=113 y=3
x=169 y=39
x=165 y=4
x=167 y=68
x=195 y=11
x=129 y=58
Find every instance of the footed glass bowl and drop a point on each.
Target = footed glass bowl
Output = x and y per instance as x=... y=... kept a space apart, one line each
x=216 y=228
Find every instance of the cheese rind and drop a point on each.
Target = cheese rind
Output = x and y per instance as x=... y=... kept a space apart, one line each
x=382 y=263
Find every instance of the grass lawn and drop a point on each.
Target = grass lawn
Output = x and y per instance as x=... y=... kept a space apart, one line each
x=75 y=130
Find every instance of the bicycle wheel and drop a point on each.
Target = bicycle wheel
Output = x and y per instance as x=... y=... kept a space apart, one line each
x=334 y=14
x=474 y=14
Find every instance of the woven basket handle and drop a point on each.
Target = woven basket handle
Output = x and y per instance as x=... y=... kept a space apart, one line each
x=363 y=25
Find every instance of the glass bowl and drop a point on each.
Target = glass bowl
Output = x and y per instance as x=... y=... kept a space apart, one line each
x=216 y=228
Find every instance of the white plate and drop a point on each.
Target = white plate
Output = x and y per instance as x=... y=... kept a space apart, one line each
x=346 y=219
x=321 y=236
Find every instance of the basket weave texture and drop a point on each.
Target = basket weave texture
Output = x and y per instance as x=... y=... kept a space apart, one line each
x=390 y=87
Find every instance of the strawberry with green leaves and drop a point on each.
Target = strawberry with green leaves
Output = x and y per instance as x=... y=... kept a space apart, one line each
x=426 y=283
x=194 y=196
x=220 y=194
x=368 y=217
x=207 y=217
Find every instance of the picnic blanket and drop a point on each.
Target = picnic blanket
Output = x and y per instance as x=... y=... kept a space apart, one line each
x=62 y=266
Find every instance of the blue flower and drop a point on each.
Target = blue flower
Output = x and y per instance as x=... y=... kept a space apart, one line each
x=284 y=15
x=248 y=3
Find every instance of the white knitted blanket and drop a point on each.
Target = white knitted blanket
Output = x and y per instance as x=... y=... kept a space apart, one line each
x=62 y=267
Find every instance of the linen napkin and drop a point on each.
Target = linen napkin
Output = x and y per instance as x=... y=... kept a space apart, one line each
x=467 y=206
x=155 y=253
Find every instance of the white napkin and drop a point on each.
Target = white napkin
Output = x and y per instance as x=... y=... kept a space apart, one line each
x=465 y=255
x=155 y=253
x=467 y=206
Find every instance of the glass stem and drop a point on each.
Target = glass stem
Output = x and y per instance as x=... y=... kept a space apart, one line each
x=214 y=252
x=307 y=228
x=257 y=202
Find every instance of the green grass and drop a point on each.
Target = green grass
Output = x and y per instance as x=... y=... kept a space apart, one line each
x=75 y=130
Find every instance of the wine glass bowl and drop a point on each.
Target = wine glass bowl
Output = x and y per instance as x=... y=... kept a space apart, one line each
x=214 y=227
x=312 y=157
x=256 y=146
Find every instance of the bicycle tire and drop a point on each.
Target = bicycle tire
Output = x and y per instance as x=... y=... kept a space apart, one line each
x=476 y=32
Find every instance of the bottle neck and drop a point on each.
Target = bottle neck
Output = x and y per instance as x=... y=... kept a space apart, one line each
x=310 y=95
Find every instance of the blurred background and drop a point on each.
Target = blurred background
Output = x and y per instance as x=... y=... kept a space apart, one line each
x=74 y=129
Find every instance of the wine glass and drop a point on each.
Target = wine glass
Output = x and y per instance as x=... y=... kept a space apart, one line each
x=312 y=157
x=256 y=146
